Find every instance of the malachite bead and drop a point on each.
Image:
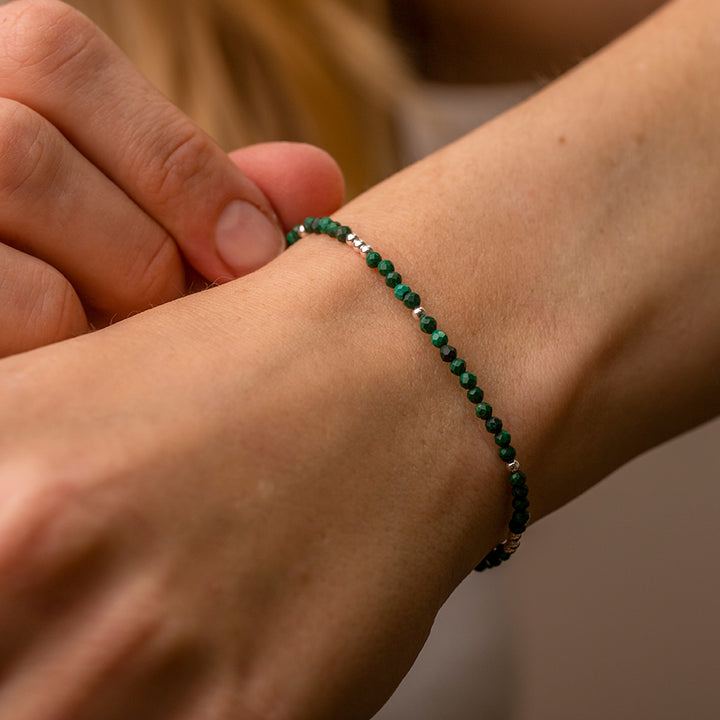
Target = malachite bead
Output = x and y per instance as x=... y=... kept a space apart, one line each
x=393 y=279
x=457 y=366
x=332 y=228
x=483 y=410
x=448 y=353
x=468 y=380
x=342 y=233
x=502 y=438
x=428 y=324
x=517 y=479
x=314 y=225
x=507 y=454
x=494 y=425
x=475 y=395
x=412 y=300
x=323 y=224
x=307 y=223
x=520 y=504
x=519 y=491
x=521 y=516
x=373 y=259
x=439 y=338
x=384 y=267
x=292 y=237
x=401 y=291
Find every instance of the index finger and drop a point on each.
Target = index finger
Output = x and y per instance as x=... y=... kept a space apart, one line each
x=56 y=61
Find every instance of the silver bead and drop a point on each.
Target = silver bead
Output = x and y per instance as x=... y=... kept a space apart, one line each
x=513 y=466
x=301 y=230
x=365 y=249
x=358 y=243
x=351 y=238
x=419 y=312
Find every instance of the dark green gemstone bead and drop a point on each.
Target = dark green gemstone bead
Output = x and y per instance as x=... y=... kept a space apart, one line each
x=519 y=491
x=457 y=366
x=314 y=225
x=439 y=338
x=475 y=395
x=517 y=478
x=507 y=454
x=292 y=237
x=468 y=380
x=494 y=425
x=520 y=504
x=393 y=278
x=505 y=556
x=332 y=229
x=412 y=300
x=428 y=324
x=448 y=353
x=521 y=516
x=385 y=267
x=373 y=259
x=342 y=233
x=517 y=528
x=323 y=224
x=502 y=438
x=483 y=410
x=401 y=290
x=307 y=223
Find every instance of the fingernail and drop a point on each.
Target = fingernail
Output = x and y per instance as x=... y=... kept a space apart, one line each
x=245 y=238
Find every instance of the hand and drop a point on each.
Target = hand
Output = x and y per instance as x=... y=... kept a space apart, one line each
x=105 y=186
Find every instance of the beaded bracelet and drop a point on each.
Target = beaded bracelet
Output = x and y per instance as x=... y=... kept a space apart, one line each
x=468 y=381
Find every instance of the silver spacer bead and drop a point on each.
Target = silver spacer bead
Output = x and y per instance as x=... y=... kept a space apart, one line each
x=513 y=466
x=419 y=312
x=301 y=230
x=365 y=249
x=358 y=243
x=351 y=238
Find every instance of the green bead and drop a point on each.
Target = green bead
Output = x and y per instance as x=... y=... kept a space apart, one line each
x=520 y=504
x=494 y=425
x=502 y=438
x=307 y=223
x=401 y=291
x=393 y=279
x=519 y=491
x=292 y=237
x=332 y=229
x=385 y=267
x=517 y=527
x=439 y=338
x=468 y=380
x=475 y=395
x=412 y=300
x=428 y=324
x=507 y=454
x=323 y=224
x=342 y=233
x=457 y=366
x=373 y=259
x=521 y=517
x=517 y=479
x=483 y=410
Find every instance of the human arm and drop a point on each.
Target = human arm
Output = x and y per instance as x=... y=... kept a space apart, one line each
x=280 y=478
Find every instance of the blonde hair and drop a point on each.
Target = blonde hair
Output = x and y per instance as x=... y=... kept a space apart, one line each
x=319 y=71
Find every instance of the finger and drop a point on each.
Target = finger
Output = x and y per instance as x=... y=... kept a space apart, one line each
x=57 y=62
x=298 y=179
x=38 y=306
x=56 y=205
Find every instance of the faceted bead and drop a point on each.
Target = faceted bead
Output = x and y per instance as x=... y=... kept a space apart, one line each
x=507 y=454
x=412 y=300
x=392 y=279
x=401 y=291
x=457 y=366
x=475 y=395
x=428 y=324
x=518 y=478
x=314 y=225
x=521 y=516
x=483 y=410
x=385 y=267
x=494 y=425
x=505 y=556
x=517 y=527
x=468 y=380
x=519 y=491
x=439 y=338
x=419 y=312
x=292 y=237
x=502 y=438
x=448 y=353
x=342 y=233
x=373 y=259
x=323 y=224
x=332 y=228
x=520 y=504
x=307 y=223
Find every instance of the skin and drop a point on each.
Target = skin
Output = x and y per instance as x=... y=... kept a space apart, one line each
x=297 y=437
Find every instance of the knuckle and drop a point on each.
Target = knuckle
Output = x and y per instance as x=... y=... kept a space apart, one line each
x=45 y=36
x=158 y=276
x=26 y=148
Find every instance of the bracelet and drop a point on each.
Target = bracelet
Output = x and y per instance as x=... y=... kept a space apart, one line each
x=468 y=381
